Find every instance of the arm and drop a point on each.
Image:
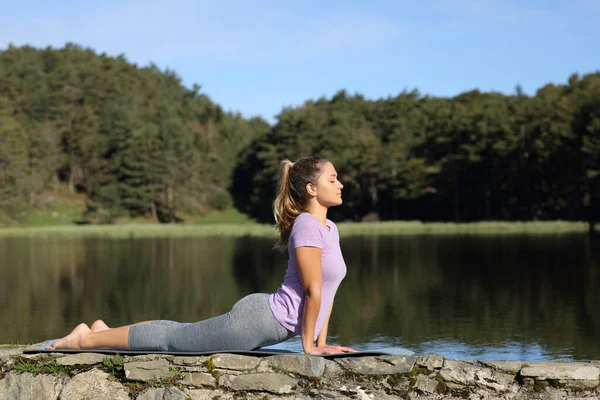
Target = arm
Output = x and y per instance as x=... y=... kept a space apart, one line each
x=322 y=338
x=308 y=260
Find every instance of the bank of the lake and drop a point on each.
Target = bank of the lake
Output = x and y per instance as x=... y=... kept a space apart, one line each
x=287 y=376
x=147 y=230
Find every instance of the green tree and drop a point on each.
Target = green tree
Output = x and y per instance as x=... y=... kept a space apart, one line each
x=15 y=183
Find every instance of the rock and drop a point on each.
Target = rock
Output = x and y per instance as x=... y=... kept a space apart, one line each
x=27 y=386
x=205 y=394
x=553 y=370
x=575 y=376
x=189 y=360
x=81 y=359
x=269 y=396
x=454 y=386
x=272 y=383
x=264 y=366
x=328 y=395
x=7 y=354
x=511 y=367
x=297 y=397
x=426 y=385
x=93 y=385
x=163 y=394
x=431 y=362
x=235 y=362
x=198 y=379
x=584 y=398
x=37 y=356
x=332 y=370
x=358 y=393
x=251 y=378
x=304 y=365
x=146 y=370
x=149 y=357
x=384 y=365
x=467 y=374
x=380 y=395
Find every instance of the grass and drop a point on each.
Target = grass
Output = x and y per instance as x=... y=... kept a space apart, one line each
x=137 y=230
x=62 y=211
x=54 y=215
x=114 y=366
x=440 y=228
x=142 y=231
x=210 y=366
x=59 y=208
x=13 y=346
x=37 y=367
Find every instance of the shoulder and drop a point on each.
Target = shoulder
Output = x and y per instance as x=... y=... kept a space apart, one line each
x=306 y=231
x=305 y=220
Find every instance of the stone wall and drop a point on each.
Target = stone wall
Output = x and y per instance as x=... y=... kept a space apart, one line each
x=227 y=376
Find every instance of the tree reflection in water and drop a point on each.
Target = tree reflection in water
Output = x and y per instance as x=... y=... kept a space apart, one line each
x=511 y=297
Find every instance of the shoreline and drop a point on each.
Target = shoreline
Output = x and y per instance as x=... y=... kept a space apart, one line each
x=265 y=230
x=288 y=376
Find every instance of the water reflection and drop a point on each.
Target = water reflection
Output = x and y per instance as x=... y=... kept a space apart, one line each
x=504 y=297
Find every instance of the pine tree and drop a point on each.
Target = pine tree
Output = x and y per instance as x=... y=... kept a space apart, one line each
x=15 y=182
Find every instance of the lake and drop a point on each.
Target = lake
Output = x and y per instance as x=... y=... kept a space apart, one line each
x=505 y=297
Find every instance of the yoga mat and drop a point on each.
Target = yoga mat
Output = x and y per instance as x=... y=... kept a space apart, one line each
x=262 y=352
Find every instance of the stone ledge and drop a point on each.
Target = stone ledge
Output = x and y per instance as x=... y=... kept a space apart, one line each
x=228 y=376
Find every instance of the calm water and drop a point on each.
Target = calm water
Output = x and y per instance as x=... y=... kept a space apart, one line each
x=506 y=297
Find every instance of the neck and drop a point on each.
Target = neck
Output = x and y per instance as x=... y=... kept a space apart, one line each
x=317 y=211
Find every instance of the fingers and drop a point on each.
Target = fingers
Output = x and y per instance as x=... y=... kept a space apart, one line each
x=342 y=349
x=327 y=350
x=332 y=350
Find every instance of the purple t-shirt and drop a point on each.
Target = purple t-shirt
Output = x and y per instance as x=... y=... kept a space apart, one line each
x=287 y=303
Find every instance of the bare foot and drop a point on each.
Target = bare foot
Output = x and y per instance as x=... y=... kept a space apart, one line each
x=72 y=340
x=99 y=326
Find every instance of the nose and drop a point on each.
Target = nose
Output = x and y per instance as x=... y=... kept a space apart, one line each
x=341 y=186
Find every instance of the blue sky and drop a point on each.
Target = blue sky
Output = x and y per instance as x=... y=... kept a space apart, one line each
x=256 y=57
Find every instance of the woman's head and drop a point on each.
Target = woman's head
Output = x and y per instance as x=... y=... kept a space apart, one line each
x=300 y=182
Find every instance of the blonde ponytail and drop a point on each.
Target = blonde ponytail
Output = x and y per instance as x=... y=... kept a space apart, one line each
x=285 y=208
x=292 y=196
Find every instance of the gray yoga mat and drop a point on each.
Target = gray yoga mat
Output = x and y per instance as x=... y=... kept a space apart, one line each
x=262 y=352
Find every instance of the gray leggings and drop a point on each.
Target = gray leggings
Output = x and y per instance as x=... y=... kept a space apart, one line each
x=249 y=325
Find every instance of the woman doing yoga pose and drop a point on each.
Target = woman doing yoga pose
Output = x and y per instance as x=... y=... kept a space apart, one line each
x=301 y=305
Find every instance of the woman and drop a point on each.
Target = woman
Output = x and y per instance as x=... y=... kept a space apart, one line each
x=301 y=306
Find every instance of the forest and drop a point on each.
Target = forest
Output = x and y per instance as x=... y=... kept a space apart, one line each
x=136 y=142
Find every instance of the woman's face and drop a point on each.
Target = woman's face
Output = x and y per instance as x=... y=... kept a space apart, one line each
x=328 y=188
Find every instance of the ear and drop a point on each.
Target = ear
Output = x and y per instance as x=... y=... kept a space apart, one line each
x=311 y=189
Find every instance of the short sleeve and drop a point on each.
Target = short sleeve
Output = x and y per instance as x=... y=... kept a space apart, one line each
x=306 y=232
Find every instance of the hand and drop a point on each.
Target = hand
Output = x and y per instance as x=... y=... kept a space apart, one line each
x=322 y=350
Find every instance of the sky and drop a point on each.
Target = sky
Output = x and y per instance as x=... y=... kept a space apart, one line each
x=256 y=57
